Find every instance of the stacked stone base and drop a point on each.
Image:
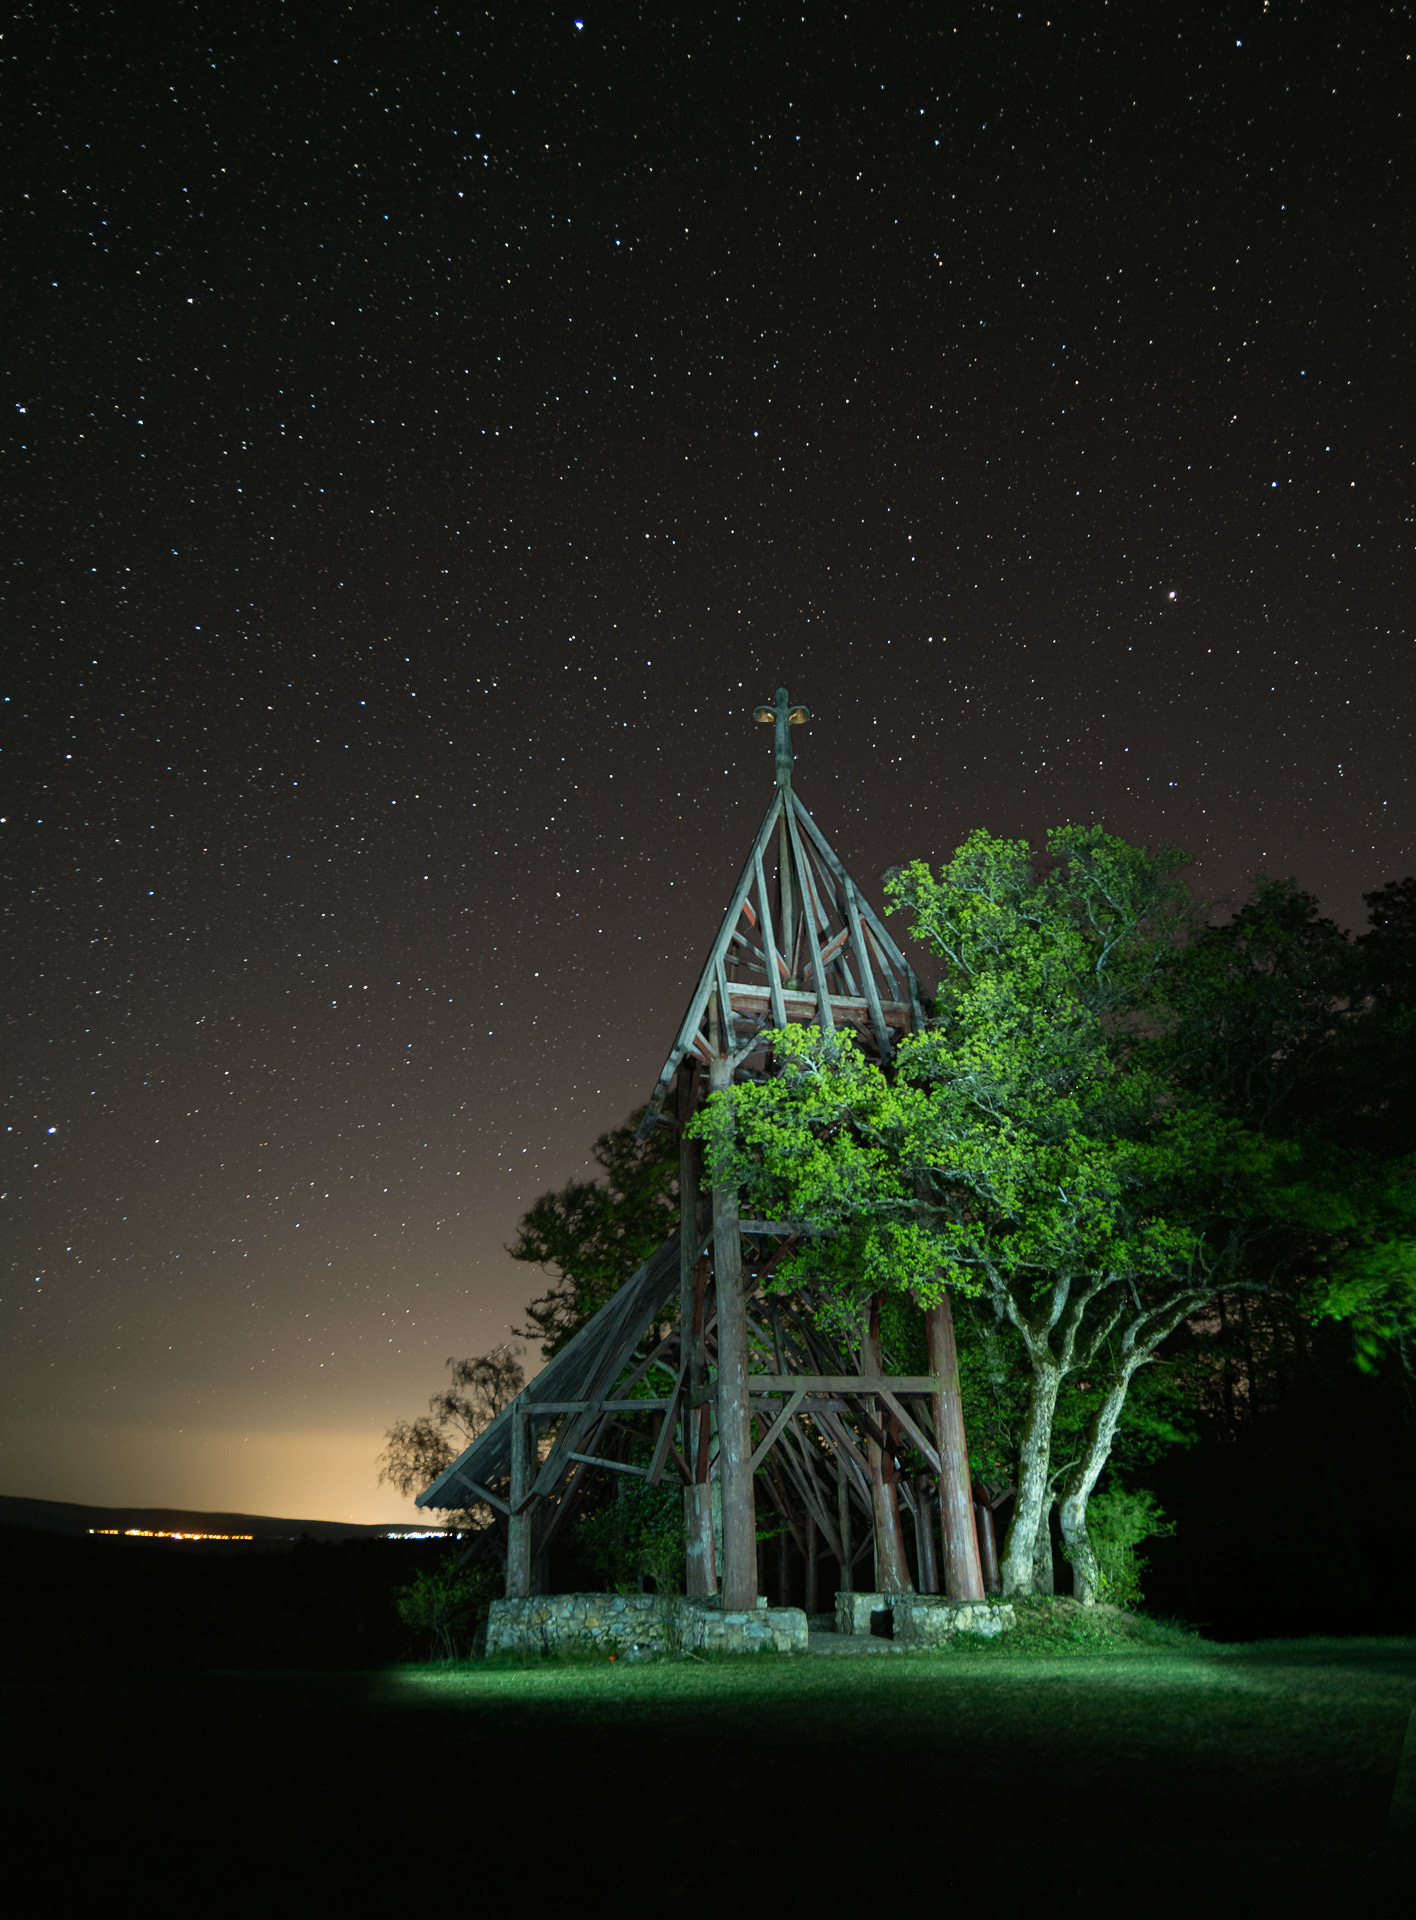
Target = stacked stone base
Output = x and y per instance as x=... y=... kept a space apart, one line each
x=638 y=1626
x=920 y=1619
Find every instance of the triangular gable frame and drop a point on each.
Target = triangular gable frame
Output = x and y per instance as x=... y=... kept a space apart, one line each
x=855 y=974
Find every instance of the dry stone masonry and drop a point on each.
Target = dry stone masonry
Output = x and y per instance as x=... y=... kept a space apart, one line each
x=638 y=1624
x=920 y=1619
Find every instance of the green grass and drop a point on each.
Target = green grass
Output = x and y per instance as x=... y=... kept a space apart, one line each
x=1176 y=1769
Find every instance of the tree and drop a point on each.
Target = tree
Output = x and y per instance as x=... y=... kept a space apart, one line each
x=417 y=1451
x=444 y=1602
x=1287 y=1024
x=1027 y=1151
x=594 y=1235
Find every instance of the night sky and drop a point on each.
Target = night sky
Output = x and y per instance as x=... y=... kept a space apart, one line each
x=433 y=430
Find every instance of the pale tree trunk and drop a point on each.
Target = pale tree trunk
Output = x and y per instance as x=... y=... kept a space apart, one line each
x=1034 y=1491
x=1044 y=1571
x=1086 y=1574
x=1138 y=1342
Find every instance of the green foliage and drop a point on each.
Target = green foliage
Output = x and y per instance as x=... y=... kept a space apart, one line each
x=640 y=1532
x=1024 y=1134
x=1054 y=1626
x=594 y=1235
x=1118 y=1521
x=446 y=1602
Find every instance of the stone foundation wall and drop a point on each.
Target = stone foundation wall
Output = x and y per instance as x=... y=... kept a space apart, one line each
x=638 y=1625
x=922 y=1619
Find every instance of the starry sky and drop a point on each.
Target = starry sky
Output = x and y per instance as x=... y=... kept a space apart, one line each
x=432 y=430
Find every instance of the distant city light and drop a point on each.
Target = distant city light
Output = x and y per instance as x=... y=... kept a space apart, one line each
x=158 y=1533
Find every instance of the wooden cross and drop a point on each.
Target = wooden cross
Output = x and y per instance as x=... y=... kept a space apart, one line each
x=784 y=713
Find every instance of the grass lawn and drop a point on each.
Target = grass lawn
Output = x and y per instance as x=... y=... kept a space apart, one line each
x=1163 y=1777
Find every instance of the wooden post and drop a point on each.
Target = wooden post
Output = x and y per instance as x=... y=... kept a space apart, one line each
x=810 y=1597
x=734 y=1428
x=518 y=1526
x=843 y=1521
x=963 y=1576
x=987 y=1546
x=700 y=1574
x=924 y=1537
x=892 y=1567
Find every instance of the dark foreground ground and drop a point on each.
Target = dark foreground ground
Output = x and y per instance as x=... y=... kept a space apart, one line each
x=232 y=1731
x=1196 y=1779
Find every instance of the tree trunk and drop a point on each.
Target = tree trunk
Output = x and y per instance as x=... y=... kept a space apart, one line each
x=1034 y=1494
x=892 y=1567
x=963 y=1574
x=734 y=1429
x=1077 y=1489
x=1044 y=1568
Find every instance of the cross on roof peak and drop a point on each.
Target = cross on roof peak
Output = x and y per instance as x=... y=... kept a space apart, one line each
x=783 y=714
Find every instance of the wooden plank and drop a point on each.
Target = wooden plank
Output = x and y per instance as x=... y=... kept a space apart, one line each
x=666 y=1428
x=838 y=871
x=615 y=1466
x=777 y=972
x=482 y=1496
x=872 y=992
x=798 y=1004
x=844 y=1383
x=925 y=1446
x=813 y=945
x=774 y=1432
x=518 y=1544
x=707 y=980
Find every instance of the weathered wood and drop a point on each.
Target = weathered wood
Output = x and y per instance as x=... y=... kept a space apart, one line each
x=963 y=1575
x=843 y=1512
x=708 y=979
x=861 y=1383
x=701 y=1578
x=987 y=1547
x=615 y=1466
x=739 y=1574
x=666 y=1429
x=913 y=1431
x=483 y=1496
x=519 y=1522
x=776 y=971
x=838 y=872
x=824 y=1013
x=867 y=974
x=774 y=1432
x=851 y=1010
x=925 y=1558
x=892 y=1567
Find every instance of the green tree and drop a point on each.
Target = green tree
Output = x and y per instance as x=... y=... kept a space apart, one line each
x=1026 y=1150
x=445 y=1602
x=639 y=1532
x=1287 y=1024
x=417 y=1451
x=593 y=1235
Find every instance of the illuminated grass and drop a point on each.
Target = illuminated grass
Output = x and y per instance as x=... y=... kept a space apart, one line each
x=1264 y=1770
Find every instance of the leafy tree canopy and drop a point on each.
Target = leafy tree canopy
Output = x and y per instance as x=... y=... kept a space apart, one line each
x=594 y=1235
